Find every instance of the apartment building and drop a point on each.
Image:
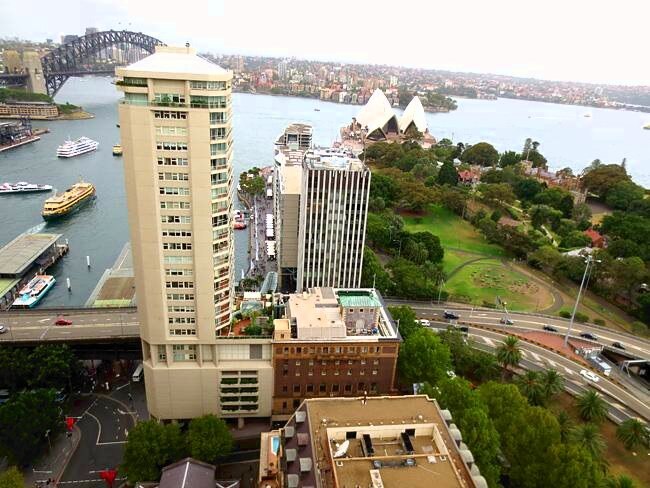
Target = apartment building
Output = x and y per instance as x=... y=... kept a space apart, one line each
x=333 y=342
x=176 y=132
x=368 y=442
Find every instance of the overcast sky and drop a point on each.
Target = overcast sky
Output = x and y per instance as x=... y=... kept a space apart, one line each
x=600 y=41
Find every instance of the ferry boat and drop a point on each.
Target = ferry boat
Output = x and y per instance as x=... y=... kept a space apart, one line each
x=117 y=150
x=68 y=201
x=23 y=187
x=32 y=292
x=82 y=145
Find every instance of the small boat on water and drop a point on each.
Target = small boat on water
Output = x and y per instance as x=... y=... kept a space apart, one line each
x=646 y=127
x=117 y=150
x=316 y=110
x=33 y=291
x=82 y=145
x=68 y=201
x=23 y=187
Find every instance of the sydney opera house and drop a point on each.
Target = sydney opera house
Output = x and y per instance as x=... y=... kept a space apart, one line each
x=377 y=121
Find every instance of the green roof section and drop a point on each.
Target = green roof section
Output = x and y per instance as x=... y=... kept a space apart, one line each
x=356 y=299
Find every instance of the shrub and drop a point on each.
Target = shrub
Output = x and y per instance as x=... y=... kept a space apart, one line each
x=565 y=314
x=581 y=317
x=600 y=322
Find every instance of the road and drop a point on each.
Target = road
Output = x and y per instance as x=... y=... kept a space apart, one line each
x=39 y=325
x=623 y=403
x=635 y=346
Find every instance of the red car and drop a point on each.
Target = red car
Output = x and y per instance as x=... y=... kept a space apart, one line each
x=62 y=321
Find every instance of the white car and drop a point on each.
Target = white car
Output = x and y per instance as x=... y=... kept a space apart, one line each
x=3 y=328
x=424 y=323
x=588 y=375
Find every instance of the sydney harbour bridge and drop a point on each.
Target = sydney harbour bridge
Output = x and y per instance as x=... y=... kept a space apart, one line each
x=92 y=54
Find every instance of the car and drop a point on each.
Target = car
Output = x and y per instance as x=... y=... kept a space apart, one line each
x=549 y=328
x=618 y=345
x=4 y=396
x=424 y=322
x=61 y=396
x=506 y=321
x=589 y=335
x=451 y=315
x=62 y=321
x=588 y=375
x=3 y=329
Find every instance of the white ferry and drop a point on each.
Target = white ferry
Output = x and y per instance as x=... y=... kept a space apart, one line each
x=82 y=145
x=32 y=292
x=23 y=187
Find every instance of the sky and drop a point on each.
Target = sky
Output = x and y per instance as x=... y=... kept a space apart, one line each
x=598 y=41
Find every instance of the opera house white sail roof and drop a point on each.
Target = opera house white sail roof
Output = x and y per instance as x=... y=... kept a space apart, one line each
x=378 y=115
x=413 y=115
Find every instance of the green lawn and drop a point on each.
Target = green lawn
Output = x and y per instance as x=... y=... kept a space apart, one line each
x=453 y=231
x=453 y=259
x=481 y=282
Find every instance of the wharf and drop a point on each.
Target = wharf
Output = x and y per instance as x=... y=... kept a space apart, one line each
x=27 y=255
x=22 y=142
x=116 y=287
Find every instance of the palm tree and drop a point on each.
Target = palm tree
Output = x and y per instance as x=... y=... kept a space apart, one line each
x=509 y=353
x=621 y=482
x=566 y=425
x=588 y=436
x=552 y=382
x=592 y=407
x=531 y=386
x=633 y=433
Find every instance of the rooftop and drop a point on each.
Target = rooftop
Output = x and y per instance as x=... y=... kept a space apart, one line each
x=333 y=158
x=290 y=180
x=18 y=255
x=380 y=441
x=178 y=60
x=339 y=314
x=188 y=473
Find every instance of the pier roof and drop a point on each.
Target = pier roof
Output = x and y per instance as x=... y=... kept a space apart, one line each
x=18 y=255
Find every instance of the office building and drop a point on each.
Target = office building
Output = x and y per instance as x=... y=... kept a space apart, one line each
x=333 y=342
x=333 y=212
x=282 y=70
x=368 y=442
x=175 y=121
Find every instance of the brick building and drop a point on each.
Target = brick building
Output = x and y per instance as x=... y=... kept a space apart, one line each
x=333 y=342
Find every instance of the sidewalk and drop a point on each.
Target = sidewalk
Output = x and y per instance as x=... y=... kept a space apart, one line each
x=55 y=460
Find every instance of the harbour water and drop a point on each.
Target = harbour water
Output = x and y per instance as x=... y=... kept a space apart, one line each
x=100 y=229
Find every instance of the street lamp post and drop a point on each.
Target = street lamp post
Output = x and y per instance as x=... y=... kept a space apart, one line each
x=589 y=261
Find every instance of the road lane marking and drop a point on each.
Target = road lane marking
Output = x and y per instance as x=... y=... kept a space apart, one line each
x=536 y=356
x=568 y=370
x=551 y=362
x=488 y=341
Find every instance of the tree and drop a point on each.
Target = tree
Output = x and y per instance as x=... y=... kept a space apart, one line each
x=603 y=178
x=543 y=214
x=622 y=194
x=591 y=406
x=373 y=273
x=509 y=353
x=574 y=239
x=149 y=447
x=405 y=316
x=633 y=433
x=621 y=481
x=431 y=243
x=530 y=385
x=12 y=478
x=448 y=174
x=571 y=466
x=14 y=368
x=527 y=188
x=208 y=438
x=588 y=436
x=581 y=215
x=384 y=187
x=566 y=425
x=482 y=154
x=412 y=281
x=557 y=198
x=509 y=158
x=483 y=440
x=497 y=194
x=424 y=358
x=26 y=418
x=506 y=405
x=552 y=383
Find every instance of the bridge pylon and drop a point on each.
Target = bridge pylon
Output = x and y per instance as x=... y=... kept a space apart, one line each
x=34 y=70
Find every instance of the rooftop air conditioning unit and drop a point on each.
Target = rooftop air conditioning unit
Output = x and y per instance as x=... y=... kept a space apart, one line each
x=293 y=480
x=301 y=415
x=289 y=430
x=305 y=465
x=291 y=455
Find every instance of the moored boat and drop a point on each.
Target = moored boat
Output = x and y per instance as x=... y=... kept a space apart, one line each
x=117 y=150
x=33 y=291
x=82 y=145
x=68 y=201
x=23 y=187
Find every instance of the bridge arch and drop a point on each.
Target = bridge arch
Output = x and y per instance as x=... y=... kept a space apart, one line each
x=66 y=60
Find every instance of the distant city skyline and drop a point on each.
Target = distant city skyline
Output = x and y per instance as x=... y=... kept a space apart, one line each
x=553 y=40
